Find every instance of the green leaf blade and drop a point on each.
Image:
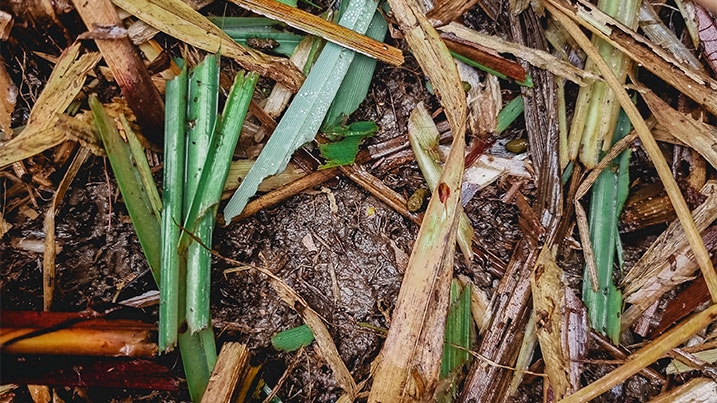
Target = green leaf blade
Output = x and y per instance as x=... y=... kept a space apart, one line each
x=172 y=194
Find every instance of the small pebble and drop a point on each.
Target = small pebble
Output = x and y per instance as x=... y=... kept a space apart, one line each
x=265 y=44
x=417 y=200
x=517 y=145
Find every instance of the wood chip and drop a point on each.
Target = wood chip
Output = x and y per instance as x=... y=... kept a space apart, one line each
x=6 y=23
x=8 y=97
x=232 y=363
x=562 y=325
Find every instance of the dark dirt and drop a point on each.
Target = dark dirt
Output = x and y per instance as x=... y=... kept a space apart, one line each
x=346 y=278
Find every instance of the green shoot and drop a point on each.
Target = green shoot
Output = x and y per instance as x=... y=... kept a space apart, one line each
x=459 y=330
x=509 y=113
x=346 y=140
x=355 y=85
x=201 y=118
x=608 y=197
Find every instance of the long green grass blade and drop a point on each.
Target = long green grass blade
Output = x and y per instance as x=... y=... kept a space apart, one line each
x=263 y=33
x=355 y=85
x=308 y=109
x=223 y=143
x=243 y=25
x=197 y=344
x=608 y=197
x=145 y=173
x=172 y=196
x=144 y=218
x=199 y=355
x=201 y=120
x=202 y=212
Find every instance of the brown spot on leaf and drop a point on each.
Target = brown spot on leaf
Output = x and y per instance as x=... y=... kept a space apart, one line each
x=443 y=192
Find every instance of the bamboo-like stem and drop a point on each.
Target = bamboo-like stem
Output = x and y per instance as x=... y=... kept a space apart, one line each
x=202 y=115
x=698 y=86
x=596 y=110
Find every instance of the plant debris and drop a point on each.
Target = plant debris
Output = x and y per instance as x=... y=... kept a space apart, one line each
x=352 y=153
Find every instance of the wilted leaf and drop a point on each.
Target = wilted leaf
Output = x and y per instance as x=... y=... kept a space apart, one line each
x=708 y=35
x=177 y=19
x=410 y=359
x=561 y=325
x=700 y=136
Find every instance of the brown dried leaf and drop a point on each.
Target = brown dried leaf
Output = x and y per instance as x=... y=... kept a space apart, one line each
x=695 y=134
x=47 y=126
x=4 y=226
x=708 y=35
x=696 y=390
x=40 y=393
x=561 y=325
x=697 y=85
x=8 y=96
x=565 y=15
x=446 y=11
x=179 y=20
x=667 y=263
x=77 y=333
x=6 y=23
x=128 y=69
x=484 y=101
x=36 y=140
x=646 y=356
x=535 y=57
x=62 y=87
